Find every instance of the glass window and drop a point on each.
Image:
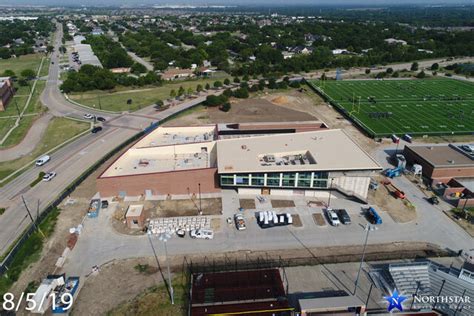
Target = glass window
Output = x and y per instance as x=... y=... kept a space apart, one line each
x=304 y=179
x=321 y=175
x=273 y=179
x=242 y=179
x=320 y=183
x=289 y=179
x=227 y=179
x=258 y=179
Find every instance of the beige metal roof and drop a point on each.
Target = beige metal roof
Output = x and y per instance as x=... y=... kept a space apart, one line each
x=325 y=150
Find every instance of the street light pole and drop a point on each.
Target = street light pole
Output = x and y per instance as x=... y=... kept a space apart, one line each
x=367 y=227
x=200 y=203
x=164 y=238
x=330 y=190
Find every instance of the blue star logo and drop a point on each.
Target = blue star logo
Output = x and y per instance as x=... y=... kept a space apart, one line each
x=395 y=301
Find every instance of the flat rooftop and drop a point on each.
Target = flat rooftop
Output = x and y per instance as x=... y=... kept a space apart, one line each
x=86 y=55
x=324 y=150
x=164 y=136
x=147 y=160
x=443 y=155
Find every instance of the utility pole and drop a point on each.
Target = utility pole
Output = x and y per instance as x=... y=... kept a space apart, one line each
x=31 y=217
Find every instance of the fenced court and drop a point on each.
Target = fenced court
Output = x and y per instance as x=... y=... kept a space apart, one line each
x=415 y=107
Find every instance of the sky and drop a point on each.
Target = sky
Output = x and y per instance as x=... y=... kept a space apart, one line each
x=231 y=2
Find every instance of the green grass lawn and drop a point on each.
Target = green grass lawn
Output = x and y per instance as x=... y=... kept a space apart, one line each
x=29 y=252
x=21 y=63
x=34 y=107
x=141 y=97
x=415 y=107
x=58 y=131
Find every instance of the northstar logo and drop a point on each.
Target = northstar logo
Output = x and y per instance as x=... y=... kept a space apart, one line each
x=395 y=301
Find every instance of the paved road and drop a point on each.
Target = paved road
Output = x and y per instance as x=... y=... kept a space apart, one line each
x=29 y=142
x=140 y=60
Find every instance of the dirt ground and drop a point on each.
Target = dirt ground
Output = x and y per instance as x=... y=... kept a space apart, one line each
x=319 y=219
x=258 y=110
x=401 y=211
x=116 y=282
x=466 y=225
x=248 y=204
x=297 y=220
x=282 y=203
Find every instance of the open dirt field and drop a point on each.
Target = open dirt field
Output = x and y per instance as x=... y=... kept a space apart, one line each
x=400 y=210
x=116 y=282
x=258 y=110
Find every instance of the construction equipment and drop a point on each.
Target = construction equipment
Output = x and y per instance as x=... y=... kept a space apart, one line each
x=392 y=173
x=396 y=192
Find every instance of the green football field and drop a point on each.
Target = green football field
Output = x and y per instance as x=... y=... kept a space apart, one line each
x=415 y=107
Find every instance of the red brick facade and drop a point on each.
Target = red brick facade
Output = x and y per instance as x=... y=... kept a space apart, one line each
x=164 y=183
x=6 y=93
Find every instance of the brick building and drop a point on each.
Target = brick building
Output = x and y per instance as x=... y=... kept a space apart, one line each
x=6 y=92
x=274 y=159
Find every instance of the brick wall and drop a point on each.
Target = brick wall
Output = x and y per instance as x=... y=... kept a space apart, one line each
x=176 y=182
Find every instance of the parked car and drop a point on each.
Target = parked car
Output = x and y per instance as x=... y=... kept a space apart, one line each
x=239 y=222
x=104 y=204
x=343 y=216
x=42 y=160
x=96 y=129
x=180 y=233
x=201 y=233
x=88 y=116
x=100 y=119
x=48 y=176
x=332 y=217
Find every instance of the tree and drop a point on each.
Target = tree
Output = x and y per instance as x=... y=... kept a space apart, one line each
x=28 y=74
x=236 y=80
x=215 y=100
x=225 y=107
x=367 y=71
x=241 y=93
x=414 y=66
x=190 y=91
x=173 y=93
x=396 y=74
x=181 y=91
x=208 y=86
x=228 y=93
x=390 y=70
x=245 y=78
x=435 y=66
x=199 y=88
x=226 y=81
x=138 y=68
x=421 y=75
x=159 y=103
x=323 y=76
x=272 y=83
x=8 y=73
x=217 y=84
x=50 y=49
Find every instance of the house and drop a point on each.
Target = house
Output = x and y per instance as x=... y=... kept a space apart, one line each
x=305 y=50
x=394 y=41
x=6 y=92
x=287 y=54
x=97 y=31
x=177 y=73
x=339 y=51
x=135 y=217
